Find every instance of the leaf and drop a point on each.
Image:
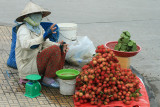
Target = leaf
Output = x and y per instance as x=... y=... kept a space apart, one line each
x=134 y=94
x=137 y=91
x=126 y=45
x=119 y=45
x=122 y=50
x=124 y=32
x=96 y=54
x=122 y=35
x=126 y=37
x=125 y=40
x=119 y=41
x=123 y=47
x=131 y=95
x=128 y=34
x=130 y=43
x=110 y=95
x=101 y=92
x=140 y=94
x=116 y=47
x=134 y=47
x=129 y=48
x=133 y=41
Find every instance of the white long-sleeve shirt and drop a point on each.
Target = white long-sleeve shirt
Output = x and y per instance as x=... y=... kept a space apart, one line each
x=26 y=58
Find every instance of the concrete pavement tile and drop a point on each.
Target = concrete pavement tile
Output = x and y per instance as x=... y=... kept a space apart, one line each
x=46 y=102
x=58 y=105
x=23 y=101
x=41 y=102
x=65 y=105
x=33 y=103
x=53 y=105
x=22 y=104
x=15 y=101
x=15 y=105
x=45 y=106
x=10 y=101
x=5 y=105
x=72 y=105
x=8 y=106
x=1 y=91
x=3 y=101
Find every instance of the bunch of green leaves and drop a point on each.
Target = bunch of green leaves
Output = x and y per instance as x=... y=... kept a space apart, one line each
x=125 y=44
x=134 y=94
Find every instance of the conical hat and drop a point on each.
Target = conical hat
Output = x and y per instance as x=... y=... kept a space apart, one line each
x=32 y=8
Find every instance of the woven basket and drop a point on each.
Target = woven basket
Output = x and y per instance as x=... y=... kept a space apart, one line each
x=112 y=44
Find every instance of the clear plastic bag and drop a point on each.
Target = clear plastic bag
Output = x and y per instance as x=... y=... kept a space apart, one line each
x=80 y=51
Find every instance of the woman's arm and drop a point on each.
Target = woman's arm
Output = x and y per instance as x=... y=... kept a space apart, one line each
x=25 y=39
x=49 y=43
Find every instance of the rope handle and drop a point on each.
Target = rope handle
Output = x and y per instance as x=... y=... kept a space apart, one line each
x=72 y=39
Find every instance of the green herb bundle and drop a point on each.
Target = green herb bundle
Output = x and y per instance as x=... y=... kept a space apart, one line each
x=125 y=44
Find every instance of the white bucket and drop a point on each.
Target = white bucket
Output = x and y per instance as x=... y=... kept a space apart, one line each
x=67 y=87
x=68 y=32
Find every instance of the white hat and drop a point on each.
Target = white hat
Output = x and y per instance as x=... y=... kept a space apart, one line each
x=32 y=8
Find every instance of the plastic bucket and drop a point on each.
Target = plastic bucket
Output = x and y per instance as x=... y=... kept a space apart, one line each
x=67 y=87
x=67 y=32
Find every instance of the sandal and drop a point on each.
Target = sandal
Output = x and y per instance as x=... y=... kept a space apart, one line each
x=23 y=81
x=54 y=84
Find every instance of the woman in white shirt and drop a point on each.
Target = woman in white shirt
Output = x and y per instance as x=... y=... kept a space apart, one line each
x=35 y=51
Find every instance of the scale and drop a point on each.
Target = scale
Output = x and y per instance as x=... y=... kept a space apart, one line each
x=33 y=87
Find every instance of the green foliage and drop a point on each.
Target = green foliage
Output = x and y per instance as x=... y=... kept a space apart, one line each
x=125 y=44
x=137 y=91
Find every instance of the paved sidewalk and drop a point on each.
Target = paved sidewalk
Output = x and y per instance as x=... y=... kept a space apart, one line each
x=12 y=93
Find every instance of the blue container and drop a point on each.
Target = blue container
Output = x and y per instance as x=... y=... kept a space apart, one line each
x=46 y=26
x=11 y=62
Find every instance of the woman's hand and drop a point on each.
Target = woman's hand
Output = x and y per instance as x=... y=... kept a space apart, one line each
x=53 y=28
x=64 y=46
x=49 y=32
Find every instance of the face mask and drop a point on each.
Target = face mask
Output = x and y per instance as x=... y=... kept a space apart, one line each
x=33 y=22
x=34 y=19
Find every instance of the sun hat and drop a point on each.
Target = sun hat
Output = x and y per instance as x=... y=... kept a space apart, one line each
x=32 y=8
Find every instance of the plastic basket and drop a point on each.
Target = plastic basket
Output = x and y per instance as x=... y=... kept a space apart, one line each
x=112 y=44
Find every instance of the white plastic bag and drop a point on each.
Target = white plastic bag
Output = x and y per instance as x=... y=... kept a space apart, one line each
x=80 y=51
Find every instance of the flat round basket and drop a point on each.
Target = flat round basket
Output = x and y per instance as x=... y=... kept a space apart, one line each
x=67 y=74
x=112 y=44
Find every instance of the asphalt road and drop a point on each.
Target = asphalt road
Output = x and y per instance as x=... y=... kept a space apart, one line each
x=103 y=21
